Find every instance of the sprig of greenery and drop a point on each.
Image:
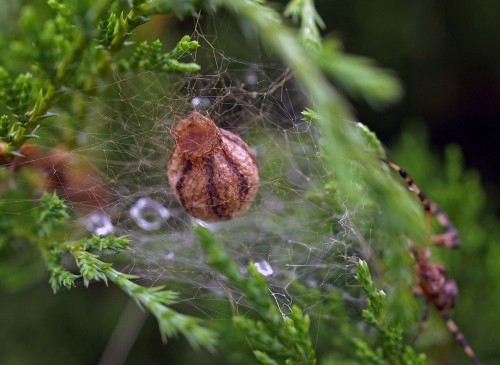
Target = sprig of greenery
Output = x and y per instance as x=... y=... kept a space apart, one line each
x=391 y=350
x=310 y=21
x=67 y=58
x=372 y=143
x=150 y=57
x=179 y=8
x=52 y=213
x=59 y=47
x=155 y=299
x=272 y=335
x=358 y=76
x=86 y=253
x=117 y=28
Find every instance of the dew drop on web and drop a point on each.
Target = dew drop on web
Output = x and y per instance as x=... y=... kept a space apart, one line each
x=199 y=102
x=264 y=268
x=168 y=255
x=99 y=224
x=149 y=214
x=251 y=78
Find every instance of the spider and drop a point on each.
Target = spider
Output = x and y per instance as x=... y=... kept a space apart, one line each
x=434 y=283
x=448 y=239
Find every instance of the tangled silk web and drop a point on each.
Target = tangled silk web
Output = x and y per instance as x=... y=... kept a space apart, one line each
x=289 y=235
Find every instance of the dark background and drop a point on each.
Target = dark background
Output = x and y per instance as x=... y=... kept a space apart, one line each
x=447 y=56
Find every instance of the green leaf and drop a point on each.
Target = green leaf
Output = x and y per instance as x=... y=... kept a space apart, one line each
x=392 y=349
x=311 y=21
x=264 y=358
x=151 y=58
x=5 y=128
x=51 y=214
x=60 y=277
x=178 y=7
x=359 y=76
x=109 y=242
x=91 y=267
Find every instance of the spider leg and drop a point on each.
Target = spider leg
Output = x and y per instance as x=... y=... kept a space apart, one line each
x=448 y=239
x=411 y=185
x=459 y=337
x=422 y=322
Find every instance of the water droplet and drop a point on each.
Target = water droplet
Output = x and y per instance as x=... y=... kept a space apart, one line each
x=251 y=78
x=199 y=222
x=82 y=138
x=99 y=224
x=200 y=102
x=149 y=214
x=168 y=255
x=264 y=268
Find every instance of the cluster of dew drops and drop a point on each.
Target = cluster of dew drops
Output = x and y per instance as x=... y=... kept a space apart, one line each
x=150 y=215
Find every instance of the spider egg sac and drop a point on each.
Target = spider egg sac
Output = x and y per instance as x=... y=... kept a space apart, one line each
x=212 y=172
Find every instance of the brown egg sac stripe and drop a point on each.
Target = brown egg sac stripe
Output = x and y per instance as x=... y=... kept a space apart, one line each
x=238 y=141
x=215 y=204
x=180 y=183
x=244 y=186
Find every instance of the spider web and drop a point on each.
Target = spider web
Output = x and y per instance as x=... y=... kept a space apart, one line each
x=288 y=233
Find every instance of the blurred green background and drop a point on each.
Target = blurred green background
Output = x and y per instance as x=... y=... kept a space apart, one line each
x=446 y=54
